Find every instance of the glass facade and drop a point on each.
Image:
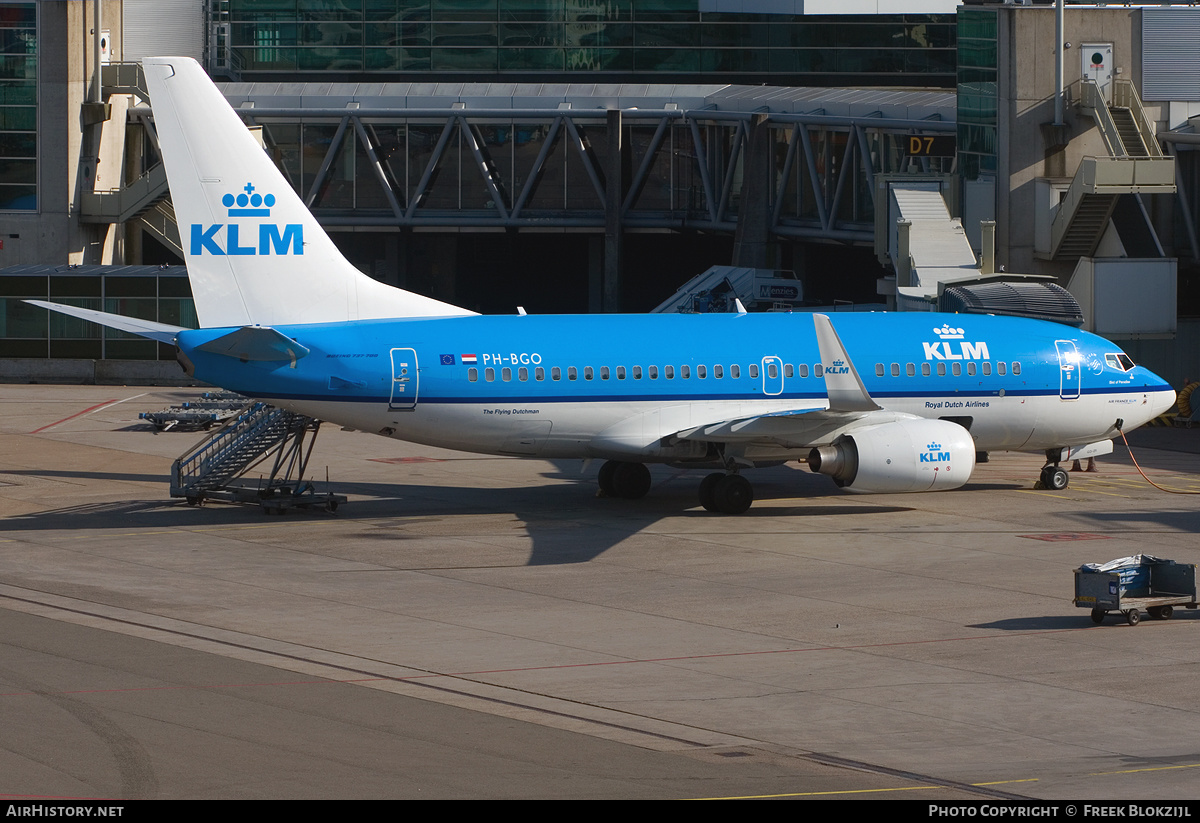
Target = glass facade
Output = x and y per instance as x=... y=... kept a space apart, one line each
x=18 y=106
x=162 y=295
x=617 y=39
x=977 y=101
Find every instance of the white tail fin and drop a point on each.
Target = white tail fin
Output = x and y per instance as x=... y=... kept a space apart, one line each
x=255 y=255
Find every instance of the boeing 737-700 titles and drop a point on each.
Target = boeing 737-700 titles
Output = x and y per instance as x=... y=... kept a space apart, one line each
x=889 y=402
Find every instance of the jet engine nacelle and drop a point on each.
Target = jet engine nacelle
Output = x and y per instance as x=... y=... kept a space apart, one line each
x=901 y=456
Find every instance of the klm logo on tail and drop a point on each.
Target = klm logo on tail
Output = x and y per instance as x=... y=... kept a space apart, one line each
x=272 y=238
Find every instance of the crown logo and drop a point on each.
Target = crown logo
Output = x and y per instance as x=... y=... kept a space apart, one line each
x=838 y=363
x=249 y=203
x=933 y=447
x=948 y=332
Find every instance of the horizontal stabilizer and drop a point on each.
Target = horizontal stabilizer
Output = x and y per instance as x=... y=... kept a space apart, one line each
x=256 y=343
x=146 y=328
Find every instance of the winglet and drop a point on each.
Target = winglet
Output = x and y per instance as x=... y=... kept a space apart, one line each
x=842 y=383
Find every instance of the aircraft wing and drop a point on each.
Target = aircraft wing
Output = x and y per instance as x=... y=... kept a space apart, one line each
x=850 y=407
x=799 y=428
x=145 y=328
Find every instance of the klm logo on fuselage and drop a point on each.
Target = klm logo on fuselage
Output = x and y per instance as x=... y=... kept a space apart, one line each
x=934 y=454
x=271 y=237
x=953 y=347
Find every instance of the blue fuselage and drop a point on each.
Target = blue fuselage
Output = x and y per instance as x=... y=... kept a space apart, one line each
x=554 y=385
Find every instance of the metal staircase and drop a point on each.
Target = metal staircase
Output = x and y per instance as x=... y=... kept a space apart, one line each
x=208 y=470
x=144 y=199
x=1135 y=164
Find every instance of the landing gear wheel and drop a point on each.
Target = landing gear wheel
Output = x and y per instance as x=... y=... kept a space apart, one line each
x=631 y=481
x=1132 y=617
x=733 y=494
x=605 y=478
x=1098 y=615
x=1055 y=478
x=708 y=491
x=1160 y=612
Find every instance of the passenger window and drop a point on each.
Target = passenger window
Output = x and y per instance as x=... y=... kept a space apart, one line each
x=941 y=369
x=956 y=368
x=1016 y=367
x=1000 y=368
x=879 y=370
x=987 y=369
x=685 y=372
x=669 y=372
x=587 y=372
x=620 y=372
x=818 y=370
x=925 y=372
x=506 y=374
x=718 y=372
x=804 y=370
x=910 y=369
x=604 y=372
x=473 y=375
x=971 y=369
x=702 y=372
x=772 y=371
x=895 y=370
x=653 y=372
x=489 y=374
x=637 y=372
x=753 y=372
x=572 y=373
x=735 y=371
x=522 y=374
x=787 y=371
x=539 y=373
x=556 y=373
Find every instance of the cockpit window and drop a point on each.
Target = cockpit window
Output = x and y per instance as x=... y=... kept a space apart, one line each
x=1119 y=361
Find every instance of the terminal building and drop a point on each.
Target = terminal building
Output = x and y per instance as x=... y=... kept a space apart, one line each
x=595 y=155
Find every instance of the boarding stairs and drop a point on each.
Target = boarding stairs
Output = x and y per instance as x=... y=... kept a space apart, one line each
x=211 y=468
x=1134 y=164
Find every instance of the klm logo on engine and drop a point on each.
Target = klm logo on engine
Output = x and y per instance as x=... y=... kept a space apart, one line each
x=838 y=367
x=934 y=454
x=271 y=237
x=952 y=346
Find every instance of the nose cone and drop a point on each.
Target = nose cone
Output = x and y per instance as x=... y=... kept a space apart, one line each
x=1160 y=397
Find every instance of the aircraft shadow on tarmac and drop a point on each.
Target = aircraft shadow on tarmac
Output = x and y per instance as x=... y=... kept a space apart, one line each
x=1179 y=520
x=565 y=522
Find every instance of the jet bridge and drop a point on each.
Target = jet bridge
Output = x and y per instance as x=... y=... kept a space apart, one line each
x=927 y=246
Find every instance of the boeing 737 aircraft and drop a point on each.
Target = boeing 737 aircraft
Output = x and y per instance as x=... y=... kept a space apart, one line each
x=879 y=402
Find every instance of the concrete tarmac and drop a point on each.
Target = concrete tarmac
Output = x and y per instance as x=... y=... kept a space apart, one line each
x=472 y=626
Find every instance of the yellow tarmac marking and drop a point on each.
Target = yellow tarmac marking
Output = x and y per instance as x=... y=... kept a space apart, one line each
x=860 y=791
x=1148 y=769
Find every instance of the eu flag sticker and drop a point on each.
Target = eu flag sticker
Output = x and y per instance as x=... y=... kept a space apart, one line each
x=447 y=360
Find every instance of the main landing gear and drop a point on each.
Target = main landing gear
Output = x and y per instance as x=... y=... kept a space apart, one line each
x=630 y=481
x=726 y=493
x=719 y=492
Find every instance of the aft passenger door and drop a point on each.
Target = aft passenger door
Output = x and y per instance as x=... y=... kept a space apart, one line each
x=1070 y=375
x=405 y=380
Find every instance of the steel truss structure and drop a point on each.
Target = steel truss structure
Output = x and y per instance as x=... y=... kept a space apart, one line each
x=818 y=181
